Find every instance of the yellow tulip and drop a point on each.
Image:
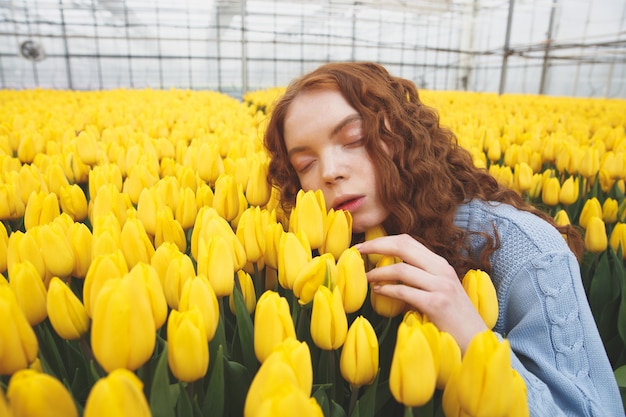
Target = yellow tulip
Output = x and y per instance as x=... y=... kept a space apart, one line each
x=197 y=291
x=482 y=293
x=309 y=216
x=209 y=223
x=283 y=384
x=204 y=196
x=351 y=279
x=29 y=290
x=561 y=218
x=329 y=323
x=4 y=247
x=140 y=177
x=186 y=208
x=212 y=165
x=258 y=190
x=104 y=175
x=590 y=162
x=19 y=343
x=11 y=205
x=592 y=207
x=120 y=393
x=519 y=408
x=4 y=406
x=413 y=375
x=273 y=234
x=272 y=324
x=179 y=270
x=226 y=197
x=596 y=239
x=450 y=358
x=65 y=311
x=135 y=243
x=568 y=194
x=31 y=393
x=103 y=268
x=383 y=305
x=87 y=148
x=23 y=247
x=108 y=200
x=56 y=250
x=154 y=291
x=147 y=208
x=123 y=326
x=75 y=170
x=523 y=174
x=359 y=356
x=169 y=230
x=251 y=233
x=216 y=263
x=188 y=349
x=485 y=379
x=187 y=177
x=536 y=186
x=371 y=234
x=550 y=191
x=41 y=208
x=338 y=233
x=247 y=289
x=319 y=271
x=162 y=257
x=29 y=180
x=106 y=234
x=609 y=210
x=293 y=254
x=73 y=202
x=618 y=238
x=494 y=150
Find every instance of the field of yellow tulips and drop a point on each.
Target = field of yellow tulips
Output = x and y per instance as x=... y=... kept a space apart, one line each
x=148 y=270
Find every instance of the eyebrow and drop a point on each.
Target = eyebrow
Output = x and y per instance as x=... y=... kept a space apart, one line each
x=344 y=122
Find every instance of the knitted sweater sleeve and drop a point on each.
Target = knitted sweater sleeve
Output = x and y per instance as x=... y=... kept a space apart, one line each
x=556 y=345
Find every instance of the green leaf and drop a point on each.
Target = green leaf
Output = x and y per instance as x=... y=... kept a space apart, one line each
x=245 y=331
x=238 y=379
x=336 y=410
x=184 y=408
x=368 y=399
x=602 y=289
x=620 y=376
x=162 y=403
x=213 y=404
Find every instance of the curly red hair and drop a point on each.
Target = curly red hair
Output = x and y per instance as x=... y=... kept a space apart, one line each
x=423 y=173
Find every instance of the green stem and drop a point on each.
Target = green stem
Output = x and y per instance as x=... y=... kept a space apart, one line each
x=408 y=411
x=354 y=396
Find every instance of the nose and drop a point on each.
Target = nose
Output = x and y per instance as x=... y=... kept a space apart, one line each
x=333 y=168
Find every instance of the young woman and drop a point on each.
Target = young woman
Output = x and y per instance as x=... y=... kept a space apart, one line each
x=363 y=137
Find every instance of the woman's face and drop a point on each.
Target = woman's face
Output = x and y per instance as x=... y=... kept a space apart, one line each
x=325 y=142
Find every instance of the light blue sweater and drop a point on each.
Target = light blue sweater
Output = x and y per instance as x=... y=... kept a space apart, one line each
x=544 y=313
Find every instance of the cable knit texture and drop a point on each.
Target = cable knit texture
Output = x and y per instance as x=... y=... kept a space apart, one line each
x=544 y=313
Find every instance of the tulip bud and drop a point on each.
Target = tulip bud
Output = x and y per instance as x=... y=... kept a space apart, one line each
x=198 y=292
x=413 y=375
x=11 y=205
x=596 y=239
x=257 y=189
x=186 y=209
x=293 y=255
x=351 y=279
x=494 y=150
x=87 y=148
x=188 y=349
x=4 y=406
x=618 y=238
x=382 y=304
x=371 y=234
x=188 y=178
x=4 y=247
x=609 y=210
x=179 y=271
x=359 y=357
x=154 y=291
x=212 y=165
x=135 y=243
x=450 y=358
x=273 y=234
x=590 y=162
x=568 y=194
x=31 y=393
x=103 y=268
x=247 y=291
x=519 y=407
x=216 y=263
x=120 y=393
x=319 y=271
x=338 y=233
x=272 y=324
x=65 y=311
x=226 y=197
x=485 y=379
x=73 y=202
x=329 y=323
x=482 y=293
x=591 y=208
x=550 y=191
x=23 y=247
x=536 y=188
x=56 y=250
x=162 y=257
x=19 y=343
x=55 y=178
x=41 y=208
x=147 y=208
x=204 y=196
x=169 y=230
x=140 y=177
x=523 y=177
x=309 y=216
x=104 y=175
x=251 y=233
x=123 y=325
x=561 y=218
x=29 y=290
x=29 y=180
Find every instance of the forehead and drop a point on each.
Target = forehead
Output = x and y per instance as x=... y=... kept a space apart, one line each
x=315 y=113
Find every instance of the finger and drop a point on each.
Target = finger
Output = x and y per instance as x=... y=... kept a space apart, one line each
x=409 y=250
x=406 y=274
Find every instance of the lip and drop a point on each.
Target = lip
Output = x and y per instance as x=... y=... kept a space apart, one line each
x=349 y=202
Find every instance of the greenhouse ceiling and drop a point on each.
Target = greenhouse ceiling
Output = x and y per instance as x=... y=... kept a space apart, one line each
x=555 y=47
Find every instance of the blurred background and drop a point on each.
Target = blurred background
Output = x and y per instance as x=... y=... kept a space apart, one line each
x=552 y=47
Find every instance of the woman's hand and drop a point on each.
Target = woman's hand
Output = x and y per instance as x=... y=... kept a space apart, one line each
x=427 y=283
